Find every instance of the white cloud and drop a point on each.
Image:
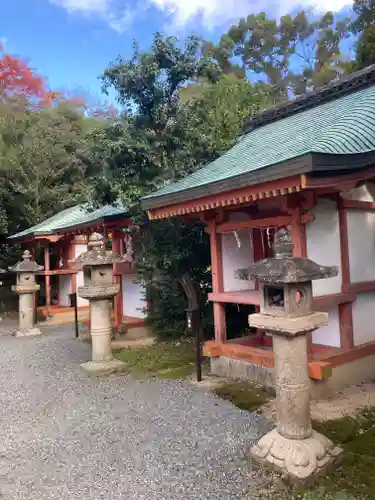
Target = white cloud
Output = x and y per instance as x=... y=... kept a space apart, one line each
x=120 y=14
x=111 y=11
x=85 y=6
x=216 y=12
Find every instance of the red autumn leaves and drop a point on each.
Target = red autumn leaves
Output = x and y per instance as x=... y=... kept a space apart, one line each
x=18 y=79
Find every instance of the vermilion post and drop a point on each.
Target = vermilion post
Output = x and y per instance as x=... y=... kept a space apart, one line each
x=47 y=277
x=217 y=282
x=345 y=309
x=118 y=304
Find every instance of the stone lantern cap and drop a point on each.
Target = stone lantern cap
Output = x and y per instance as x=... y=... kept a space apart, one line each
x=26 y=265
x=284 y=268
x=97 y=254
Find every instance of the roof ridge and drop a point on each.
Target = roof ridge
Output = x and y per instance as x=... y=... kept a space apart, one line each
x=335 y=90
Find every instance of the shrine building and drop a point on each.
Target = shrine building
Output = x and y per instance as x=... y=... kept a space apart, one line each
x=307 y=165
x=62 y=238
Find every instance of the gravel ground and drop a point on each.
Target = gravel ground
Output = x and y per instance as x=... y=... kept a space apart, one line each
x=65 y=435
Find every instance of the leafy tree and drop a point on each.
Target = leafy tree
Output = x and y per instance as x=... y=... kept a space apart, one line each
x=161 y=138
x=40 y=171
x=18 y=79
x=260 y=47
x=364 y=25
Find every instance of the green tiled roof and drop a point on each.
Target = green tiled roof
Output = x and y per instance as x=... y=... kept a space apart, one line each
x=71 y=218
x=339 y=126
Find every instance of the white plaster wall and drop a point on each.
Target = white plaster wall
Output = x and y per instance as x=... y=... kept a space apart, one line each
x=133 y=297
x=363 y=318
x=329 y=334
x=362 y=193
x=78 y=249
x=65 y=288
x=323 y=245
x=361 y=238
x=236 y=257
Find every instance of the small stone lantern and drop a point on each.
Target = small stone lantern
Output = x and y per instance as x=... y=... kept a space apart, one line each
x=99 y=289
x=26 y=288
x=286 y=312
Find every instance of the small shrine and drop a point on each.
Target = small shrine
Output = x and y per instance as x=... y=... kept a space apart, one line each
x=64 y=236
x=98 y=288
x=308 y=166
x=286 y=313
x=26 y=289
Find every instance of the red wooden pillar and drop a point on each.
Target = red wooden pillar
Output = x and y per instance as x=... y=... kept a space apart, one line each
x=117 y=278
x=47 y=277
x=217 y=282
x=71 y=253
x=258 y=254
x=298 y=235
x=300 y=250
x=32 y=249
x=346 y=309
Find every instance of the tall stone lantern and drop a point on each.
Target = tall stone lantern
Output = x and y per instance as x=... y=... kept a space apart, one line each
x=26 y=287
x=286 y=312
x=99 y=289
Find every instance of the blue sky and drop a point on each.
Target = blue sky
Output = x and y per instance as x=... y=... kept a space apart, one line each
x=72 y=41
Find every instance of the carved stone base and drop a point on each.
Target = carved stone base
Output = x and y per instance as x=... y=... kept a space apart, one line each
x=103 y=367
x=26 y=332
x=299 y=459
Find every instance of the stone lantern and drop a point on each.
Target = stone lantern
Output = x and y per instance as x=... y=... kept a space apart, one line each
x=286 y=312
x=26 y=287
x=99 y=289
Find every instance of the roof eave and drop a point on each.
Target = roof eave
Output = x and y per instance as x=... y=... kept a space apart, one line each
x=93 y=223
x=318 y=163
x=299 y=165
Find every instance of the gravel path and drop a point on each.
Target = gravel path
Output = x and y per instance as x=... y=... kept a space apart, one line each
x=65 y=435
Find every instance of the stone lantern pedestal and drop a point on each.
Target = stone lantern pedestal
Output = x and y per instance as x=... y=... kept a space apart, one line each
x=98 y=288
x=286 y=312
x=26 y=288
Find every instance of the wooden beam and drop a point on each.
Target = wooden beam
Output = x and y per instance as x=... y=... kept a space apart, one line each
x=217 y=282
x=71 y=256
x=308 y=181
x=345 y=309
x=47 y=277
x=329 y=301
x=275 y=221
x=298 y=234
x=118 y=300
x=251 y=297
x=53 y=238
x=248 y=194
x=353 y=354
x=319 y=370
x=366 y=206
x=361 y=287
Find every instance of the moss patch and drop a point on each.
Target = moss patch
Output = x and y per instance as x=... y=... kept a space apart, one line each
x=168 y=360
x=356 y=474
x=245 y=395
x=354 y=479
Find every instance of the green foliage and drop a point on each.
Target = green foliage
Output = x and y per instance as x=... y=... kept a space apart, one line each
x=366 y=47
x=184 y=104
x=40 y=171
x=364 y=25
x=271 y=50
x=160 y=139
